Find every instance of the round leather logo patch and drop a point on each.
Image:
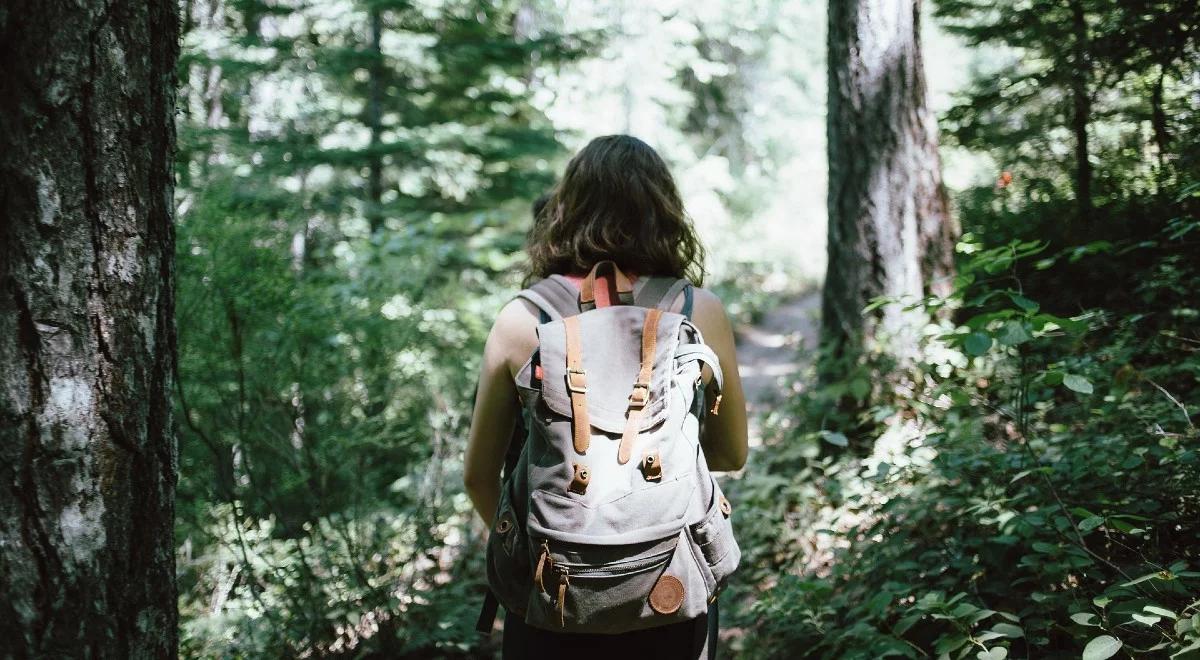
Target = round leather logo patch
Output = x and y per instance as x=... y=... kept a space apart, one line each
x=667 y=594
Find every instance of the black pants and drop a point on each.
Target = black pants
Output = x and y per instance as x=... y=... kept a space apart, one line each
x=687 y=640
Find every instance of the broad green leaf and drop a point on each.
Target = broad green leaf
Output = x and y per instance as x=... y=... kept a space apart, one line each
x=1161 y=611
x=1084 y=619
x=905 y=623
x=1185 y=651
x=980 y=616
x=1101 y=648
x=1023 y=302
x=1013 y=333
x=1148 y=620
x=977 y=343
x=996 y=653
x=1008 y=630
x=1077 y=383
x=859 y=388
x=1090 y=523
x=950 y=643
x=1160 y=575
x=834 y=438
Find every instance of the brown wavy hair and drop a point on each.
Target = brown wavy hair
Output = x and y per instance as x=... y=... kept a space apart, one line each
x=616 y=200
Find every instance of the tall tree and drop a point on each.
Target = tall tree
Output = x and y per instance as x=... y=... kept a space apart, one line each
x=1092 y=70
x=890 y=231
x=88 y=458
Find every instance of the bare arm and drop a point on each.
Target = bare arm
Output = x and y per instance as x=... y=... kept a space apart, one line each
x=496 y=406
x=724 y=436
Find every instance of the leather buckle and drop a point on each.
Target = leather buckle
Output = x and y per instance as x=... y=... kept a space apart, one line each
x=640 y=395
x=579 y=386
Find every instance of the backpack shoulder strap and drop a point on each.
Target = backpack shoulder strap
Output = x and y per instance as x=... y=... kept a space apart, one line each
x=660 y=292
x=650 y=291
x=555 y=296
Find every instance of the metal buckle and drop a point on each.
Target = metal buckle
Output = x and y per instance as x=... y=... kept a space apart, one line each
x=581 y=386
x=640 y=395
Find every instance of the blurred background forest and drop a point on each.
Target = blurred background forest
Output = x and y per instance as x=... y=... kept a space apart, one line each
x=354 y=186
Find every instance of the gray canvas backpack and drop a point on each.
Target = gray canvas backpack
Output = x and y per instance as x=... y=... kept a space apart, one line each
x=610 y=520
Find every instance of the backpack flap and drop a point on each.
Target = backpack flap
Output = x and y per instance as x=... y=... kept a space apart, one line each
x=610 y=339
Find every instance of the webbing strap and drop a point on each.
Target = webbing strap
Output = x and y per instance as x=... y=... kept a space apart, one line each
x=701 y=353
x=587 y=290
x=651 y=291
x=641 y=389
x=554 y=295
x=487 y=614
x=668 y=298
x=577 y=385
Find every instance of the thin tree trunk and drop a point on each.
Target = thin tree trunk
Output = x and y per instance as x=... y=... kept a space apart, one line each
x=1158 y=117
x=375 y=124
x=890 y=230
x=88 y=459
x=1081 y=112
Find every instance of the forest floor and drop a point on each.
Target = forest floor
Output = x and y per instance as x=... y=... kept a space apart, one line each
x=772 y=351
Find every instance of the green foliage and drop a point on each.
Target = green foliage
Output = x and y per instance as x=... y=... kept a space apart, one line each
x=1034 y=495
x=329 y=329
x=1028 y=487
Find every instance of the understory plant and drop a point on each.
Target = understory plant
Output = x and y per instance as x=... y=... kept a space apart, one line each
x=1031 y=489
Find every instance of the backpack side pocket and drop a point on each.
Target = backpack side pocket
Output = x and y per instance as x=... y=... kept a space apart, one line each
x=719 y=553
x=508 y=562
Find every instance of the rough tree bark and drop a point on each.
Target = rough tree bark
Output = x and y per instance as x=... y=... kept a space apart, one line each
x=890 y=230
x=88 y=461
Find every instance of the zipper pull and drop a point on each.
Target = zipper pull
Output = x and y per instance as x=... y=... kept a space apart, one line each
x=543 y=559
x=563 y=582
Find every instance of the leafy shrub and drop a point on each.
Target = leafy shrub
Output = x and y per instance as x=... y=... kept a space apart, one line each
x=1031 y=491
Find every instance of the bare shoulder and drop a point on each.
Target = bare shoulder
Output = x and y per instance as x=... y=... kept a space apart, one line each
x=514 y=334
x=709 y=312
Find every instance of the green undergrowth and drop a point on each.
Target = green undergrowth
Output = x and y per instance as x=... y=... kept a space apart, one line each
x=1029 y=489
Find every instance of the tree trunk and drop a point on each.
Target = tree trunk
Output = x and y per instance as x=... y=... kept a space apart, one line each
x=375 y=124
x=88 y=460
x=890 y=231
x=1081 y=112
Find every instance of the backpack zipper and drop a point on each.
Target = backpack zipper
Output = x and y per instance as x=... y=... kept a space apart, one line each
x=565 y=571
x=618 y=569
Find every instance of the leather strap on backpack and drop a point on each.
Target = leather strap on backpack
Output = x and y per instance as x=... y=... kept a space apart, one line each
x=577 y=385
x=641 y=389
x=587 y=289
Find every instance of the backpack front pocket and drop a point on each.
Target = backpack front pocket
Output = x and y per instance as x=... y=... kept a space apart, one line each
x=608 y=589
x=713 y=537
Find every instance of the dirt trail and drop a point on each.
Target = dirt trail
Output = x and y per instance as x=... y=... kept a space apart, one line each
x=781 y=344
